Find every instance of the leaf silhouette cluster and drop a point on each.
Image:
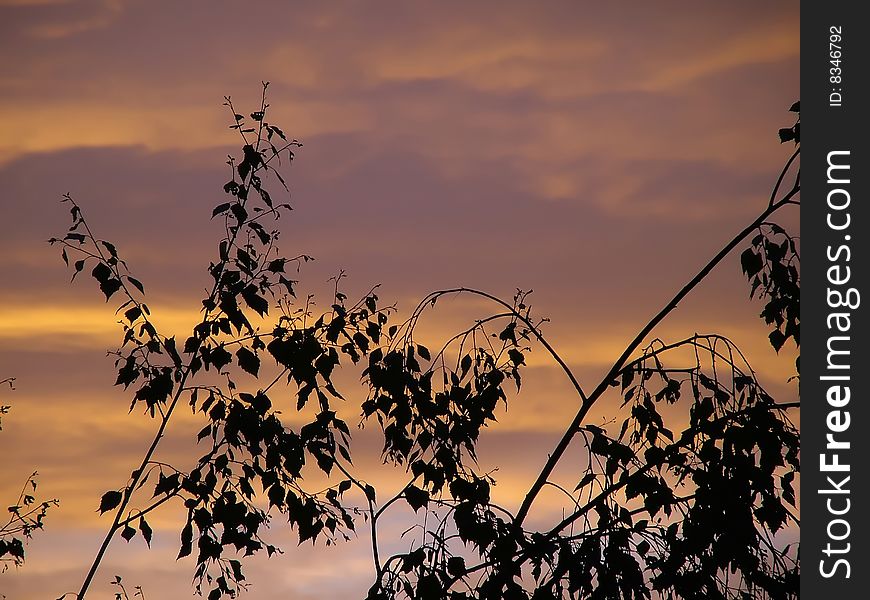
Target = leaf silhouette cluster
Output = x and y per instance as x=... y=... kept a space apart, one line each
x=772 y=265
x=684 y=492
x=26 y=515
x=250 y=449
x=655 y=514
x=658 y=512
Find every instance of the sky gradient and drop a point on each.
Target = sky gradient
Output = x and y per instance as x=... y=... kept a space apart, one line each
x=598 y=155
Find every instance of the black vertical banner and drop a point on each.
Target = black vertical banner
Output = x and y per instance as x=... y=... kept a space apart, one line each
x=835 y=226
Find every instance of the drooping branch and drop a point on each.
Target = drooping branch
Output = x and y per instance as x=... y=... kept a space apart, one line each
x=635 y=343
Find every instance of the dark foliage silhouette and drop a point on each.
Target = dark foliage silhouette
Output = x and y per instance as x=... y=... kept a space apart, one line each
x=683 y=495
x=26 y=515
x=122 y=593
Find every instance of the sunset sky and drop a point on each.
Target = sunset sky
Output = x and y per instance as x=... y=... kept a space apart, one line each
x=597 y=153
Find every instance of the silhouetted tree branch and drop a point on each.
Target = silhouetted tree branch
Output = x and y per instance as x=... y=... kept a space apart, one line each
x=26 y=514
x=654 y=513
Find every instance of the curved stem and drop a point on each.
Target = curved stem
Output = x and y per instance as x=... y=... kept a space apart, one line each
x=373 y=516
x=513 y=311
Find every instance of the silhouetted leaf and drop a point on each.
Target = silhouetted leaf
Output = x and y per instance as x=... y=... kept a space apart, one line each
x=248 y=361
x=137 y=284
x=777 y=339
x=146 y=530
x=219 y=357
x=516 y=357
x=221 y=208
x=186 y=541
x=255 y=301
x=751 y=262
x=370 y=492
x=128 y=533
x=110 y=500
x=101 y=272
x=416 y=497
